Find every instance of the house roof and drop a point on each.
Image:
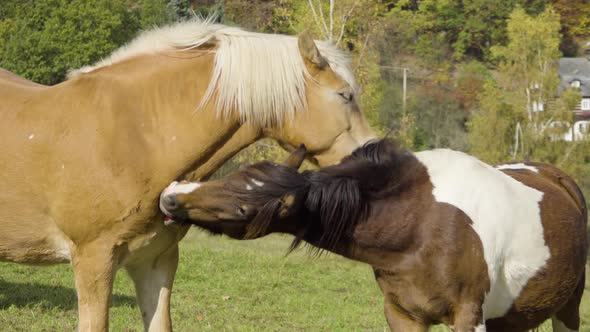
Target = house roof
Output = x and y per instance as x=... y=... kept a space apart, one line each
x=571 y=69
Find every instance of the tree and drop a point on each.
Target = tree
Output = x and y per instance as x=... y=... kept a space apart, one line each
x=519 y=116
x=575 y=23
x=42 y=39
x=471 y=78
x=529 y=67
x=491 y=126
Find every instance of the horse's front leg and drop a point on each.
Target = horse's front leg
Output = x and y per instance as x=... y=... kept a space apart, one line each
x=469 y=317
x=400 y=322
x=153 y=286
x=152 y=269
x=397 y=319
x=94 y=268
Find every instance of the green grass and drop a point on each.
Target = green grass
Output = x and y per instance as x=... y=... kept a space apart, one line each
x=221 y=285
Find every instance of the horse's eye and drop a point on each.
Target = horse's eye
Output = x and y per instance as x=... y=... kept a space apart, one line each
x=348 y=96
x=241 y=211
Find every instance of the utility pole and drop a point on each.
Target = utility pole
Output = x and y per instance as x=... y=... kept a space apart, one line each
x=405 y=69
x=404 y=85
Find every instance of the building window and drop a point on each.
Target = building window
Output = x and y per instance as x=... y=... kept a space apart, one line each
x=575 y=84
x=586 y=104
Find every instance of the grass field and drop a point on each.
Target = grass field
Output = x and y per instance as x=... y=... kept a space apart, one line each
x=221 y=285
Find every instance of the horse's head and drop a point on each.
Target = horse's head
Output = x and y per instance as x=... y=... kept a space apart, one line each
x=333 y=125
x=244 y=204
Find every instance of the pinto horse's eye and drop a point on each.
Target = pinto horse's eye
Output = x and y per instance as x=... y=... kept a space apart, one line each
x=241 y=211
x=348 y=96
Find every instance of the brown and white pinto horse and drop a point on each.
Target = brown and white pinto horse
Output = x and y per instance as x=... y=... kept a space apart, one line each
x=451 y=240
x=83 y=162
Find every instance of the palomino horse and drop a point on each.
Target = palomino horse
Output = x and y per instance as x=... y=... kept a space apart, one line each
x=84 y=162
x=451 y=240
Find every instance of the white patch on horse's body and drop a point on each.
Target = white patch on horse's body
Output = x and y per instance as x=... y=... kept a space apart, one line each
x=248 y=187
x=173 y=138
x=262 y=76
x=258 y=183
x=31 y=136
x=559 y=326
x=505 y=215
x=517 y=166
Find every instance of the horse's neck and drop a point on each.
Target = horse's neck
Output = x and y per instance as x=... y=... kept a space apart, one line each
x=301 y=226
x=243 y=137
x=356 y=250
x=390 y=229
x=170 y=88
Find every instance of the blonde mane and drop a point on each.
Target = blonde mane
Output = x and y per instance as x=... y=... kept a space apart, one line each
x=261 y=76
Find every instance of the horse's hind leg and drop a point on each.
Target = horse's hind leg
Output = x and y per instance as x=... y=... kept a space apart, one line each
x=567 y=319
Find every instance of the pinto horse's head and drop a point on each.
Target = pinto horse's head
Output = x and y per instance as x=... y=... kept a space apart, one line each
x=242 y=205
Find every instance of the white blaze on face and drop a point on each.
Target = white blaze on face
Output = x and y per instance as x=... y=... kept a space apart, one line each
x=258 y=183
x=505 y=215
x=182 y=188
x=518 y=166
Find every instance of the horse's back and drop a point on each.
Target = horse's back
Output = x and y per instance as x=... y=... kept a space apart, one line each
x=8 y=77
x=561 y=178
x=559 y=189
x=14 y=90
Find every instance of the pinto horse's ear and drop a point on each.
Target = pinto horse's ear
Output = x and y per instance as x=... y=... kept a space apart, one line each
x=286 y=206
x=296 y=158
x=309 y=50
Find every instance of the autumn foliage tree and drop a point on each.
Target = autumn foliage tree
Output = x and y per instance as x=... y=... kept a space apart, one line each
x=520 y=117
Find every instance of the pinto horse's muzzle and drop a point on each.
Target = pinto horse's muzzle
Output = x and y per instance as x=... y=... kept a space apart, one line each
x=170 y=205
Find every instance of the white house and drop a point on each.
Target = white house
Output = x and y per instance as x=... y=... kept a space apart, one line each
x=575 y=72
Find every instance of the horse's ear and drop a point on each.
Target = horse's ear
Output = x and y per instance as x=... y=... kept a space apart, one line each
x=296 y=158
x=309 y=50
x=287 y=206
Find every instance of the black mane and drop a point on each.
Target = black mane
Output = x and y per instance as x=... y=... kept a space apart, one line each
x=332 y=200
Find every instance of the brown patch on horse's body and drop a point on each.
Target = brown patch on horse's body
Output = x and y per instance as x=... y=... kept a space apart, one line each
x=427 y=257
x=555 y=289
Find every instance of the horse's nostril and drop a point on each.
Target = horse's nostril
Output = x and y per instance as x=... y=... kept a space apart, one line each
x=171 y=202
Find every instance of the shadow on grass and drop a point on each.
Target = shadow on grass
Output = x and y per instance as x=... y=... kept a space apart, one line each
x=47 y=296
